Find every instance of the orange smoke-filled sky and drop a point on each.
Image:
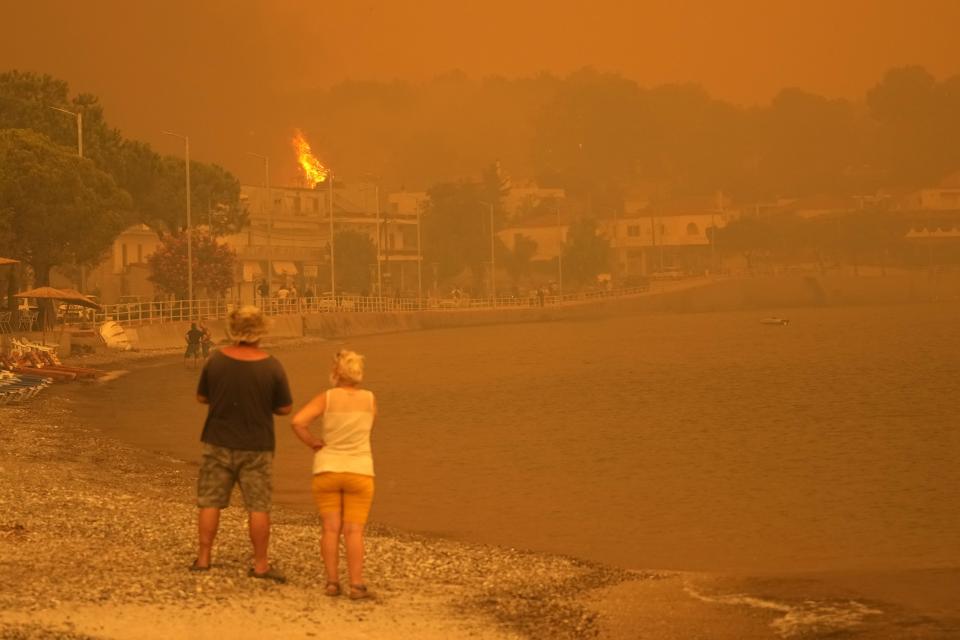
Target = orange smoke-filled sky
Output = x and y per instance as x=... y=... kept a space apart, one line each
x=225 y=66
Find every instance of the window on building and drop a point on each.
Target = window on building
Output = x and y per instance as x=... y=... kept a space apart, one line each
x=123 y=254
x=693 y=229
x=316 y=205
x=663 y=229
x=139 y=254
x=633 y=231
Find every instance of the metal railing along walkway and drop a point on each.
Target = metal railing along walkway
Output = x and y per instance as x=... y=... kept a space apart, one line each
x=207 y=309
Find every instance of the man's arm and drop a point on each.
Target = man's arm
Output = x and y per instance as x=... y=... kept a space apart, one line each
x=205 y=400
x=281 y=411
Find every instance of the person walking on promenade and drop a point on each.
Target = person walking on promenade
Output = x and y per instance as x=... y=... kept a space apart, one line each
x=244 y=387
x=193 y=336
x=206 y=340
x=342 y=467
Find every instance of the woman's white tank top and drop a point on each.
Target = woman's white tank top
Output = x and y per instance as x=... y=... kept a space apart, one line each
x=347 y=422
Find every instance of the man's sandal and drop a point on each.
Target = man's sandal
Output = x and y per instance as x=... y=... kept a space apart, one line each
x=359 y=592
x=332 y=589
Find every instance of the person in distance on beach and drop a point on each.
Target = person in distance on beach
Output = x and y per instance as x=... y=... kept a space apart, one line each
x=244 y=387
x=342 y=467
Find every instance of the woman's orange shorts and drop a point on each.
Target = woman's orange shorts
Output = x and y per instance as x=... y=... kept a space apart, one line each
x=348 y=493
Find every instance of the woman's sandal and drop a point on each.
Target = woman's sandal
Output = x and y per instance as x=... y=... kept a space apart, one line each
x=196 y=568
x=332 y=589
x=359 y=592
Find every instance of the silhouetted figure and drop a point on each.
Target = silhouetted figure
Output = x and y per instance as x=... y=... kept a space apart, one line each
x=244 y=388
x=342 y=467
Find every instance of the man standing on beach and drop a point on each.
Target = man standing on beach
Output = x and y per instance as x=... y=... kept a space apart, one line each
x=244 y=387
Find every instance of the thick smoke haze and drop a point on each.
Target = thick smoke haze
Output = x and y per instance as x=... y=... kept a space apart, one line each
x=240 y=76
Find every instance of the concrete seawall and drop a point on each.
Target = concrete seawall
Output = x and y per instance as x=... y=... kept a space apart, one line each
x=765 y=292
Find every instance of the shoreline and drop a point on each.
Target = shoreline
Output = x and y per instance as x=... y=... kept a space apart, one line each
x=109 y=531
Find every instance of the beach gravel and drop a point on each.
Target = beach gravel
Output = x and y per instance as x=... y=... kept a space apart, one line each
x=96 y=537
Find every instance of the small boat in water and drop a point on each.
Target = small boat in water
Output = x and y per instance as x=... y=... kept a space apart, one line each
x=775 y=320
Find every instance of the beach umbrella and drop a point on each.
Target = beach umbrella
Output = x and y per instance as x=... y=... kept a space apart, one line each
x=50 y=294
x=71 y=296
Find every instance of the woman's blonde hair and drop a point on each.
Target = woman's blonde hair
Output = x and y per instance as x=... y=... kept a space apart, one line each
x=347 y=368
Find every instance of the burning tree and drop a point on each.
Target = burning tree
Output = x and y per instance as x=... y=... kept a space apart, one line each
x=314 y=171
x=213 y=265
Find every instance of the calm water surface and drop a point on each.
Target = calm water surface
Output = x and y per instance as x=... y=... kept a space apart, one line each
x=698 y=441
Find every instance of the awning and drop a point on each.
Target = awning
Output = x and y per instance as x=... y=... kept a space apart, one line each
x=284 y=268
x=252 y=271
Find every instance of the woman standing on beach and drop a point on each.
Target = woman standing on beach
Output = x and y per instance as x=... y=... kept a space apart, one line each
x=342 y=467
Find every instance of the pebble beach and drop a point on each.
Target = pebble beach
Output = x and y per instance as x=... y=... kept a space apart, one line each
x=96 y=538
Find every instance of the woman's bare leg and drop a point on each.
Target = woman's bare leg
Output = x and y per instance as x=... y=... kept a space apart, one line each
x=330 y=544
x=353 y=539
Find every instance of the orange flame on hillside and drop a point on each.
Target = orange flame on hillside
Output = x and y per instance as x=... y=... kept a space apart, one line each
x=313 y=170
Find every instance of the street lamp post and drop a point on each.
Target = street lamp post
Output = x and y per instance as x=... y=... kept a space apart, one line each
x=616 y=249
x=269 y=206
x=419 y=262
x=559 y=257
x=79 y=117
x=493 y=264
x=186 y=156
x=333 y=280
x=376 y=191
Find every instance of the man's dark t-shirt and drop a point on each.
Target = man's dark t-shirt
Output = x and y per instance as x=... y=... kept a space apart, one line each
x=194 y=336
x=243 y=395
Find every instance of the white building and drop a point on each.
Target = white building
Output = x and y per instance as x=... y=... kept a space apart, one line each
x=678 y=234
x=289 y=228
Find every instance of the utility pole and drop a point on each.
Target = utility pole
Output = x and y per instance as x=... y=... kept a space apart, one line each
x=493 y=264
x=186 y=155
x=559 y=256
x=269 y=212
x=616 y=250
x=333 y=280
x=419 y=261
x=79 y=116
x=493 y=261
x=376 y=190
